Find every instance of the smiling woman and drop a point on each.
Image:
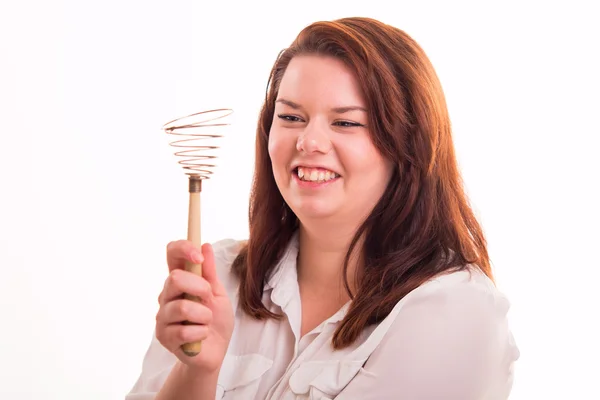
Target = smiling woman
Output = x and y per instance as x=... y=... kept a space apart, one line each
x=366 y=274
x=323 y=133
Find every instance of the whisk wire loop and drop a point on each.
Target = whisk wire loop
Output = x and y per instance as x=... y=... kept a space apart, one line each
x=197 y=134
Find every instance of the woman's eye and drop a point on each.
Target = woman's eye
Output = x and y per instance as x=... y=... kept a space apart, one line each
x=293 y=118
x=289 y=118
x=347 y=124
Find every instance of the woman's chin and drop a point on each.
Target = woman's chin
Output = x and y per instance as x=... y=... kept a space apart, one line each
x=311 y=210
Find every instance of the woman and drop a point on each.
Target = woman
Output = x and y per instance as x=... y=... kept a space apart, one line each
x=366 y=274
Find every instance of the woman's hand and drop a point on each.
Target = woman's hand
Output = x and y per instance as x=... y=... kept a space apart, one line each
x=211 y=320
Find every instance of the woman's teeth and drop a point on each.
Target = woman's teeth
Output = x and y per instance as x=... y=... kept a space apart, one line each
x=315 y=175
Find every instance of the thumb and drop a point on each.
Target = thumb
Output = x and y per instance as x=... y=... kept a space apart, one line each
x=209 y=270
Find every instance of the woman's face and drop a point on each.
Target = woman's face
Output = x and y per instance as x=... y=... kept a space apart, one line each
x=323 y=160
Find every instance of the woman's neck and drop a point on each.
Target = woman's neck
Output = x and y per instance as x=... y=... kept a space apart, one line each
x=321 y=260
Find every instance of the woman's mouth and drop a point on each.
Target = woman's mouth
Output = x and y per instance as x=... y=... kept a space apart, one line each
x=312 y=177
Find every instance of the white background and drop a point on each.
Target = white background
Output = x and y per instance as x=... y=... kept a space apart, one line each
x=91 y=194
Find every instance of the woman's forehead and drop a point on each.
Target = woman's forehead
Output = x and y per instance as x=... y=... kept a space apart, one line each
x=320 y=80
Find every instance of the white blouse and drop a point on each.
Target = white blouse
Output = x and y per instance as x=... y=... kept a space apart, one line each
x=449 y=339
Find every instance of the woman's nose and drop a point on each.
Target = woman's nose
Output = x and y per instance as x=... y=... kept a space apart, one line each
x=312 y=140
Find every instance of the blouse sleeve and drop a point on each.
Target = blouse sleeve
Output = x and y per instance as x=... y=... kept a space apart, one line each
x=452 y=343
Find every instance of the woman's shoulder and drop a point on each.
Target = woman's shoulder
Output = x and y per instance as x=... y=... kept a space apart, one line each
x=470 y=285
x=226 y=251
x=449 y=338
x=458 y=308
x=468 y=293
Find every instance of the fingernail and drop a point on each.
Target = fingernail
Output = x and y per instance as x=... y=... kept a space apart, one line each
x=197 y=257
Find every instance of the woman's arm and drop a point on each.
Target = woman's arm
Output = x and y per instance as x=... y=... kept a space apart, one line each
x=185 y=384
x=164 y=377
x=452 y=344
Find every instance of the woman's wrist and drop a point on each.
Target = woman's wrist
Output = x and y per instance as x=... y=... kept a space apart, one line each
x=185 y=382
x=195 y=374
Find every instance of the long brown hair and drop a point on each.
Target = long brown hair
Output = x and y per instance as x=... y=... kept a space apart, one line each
x=422 y=225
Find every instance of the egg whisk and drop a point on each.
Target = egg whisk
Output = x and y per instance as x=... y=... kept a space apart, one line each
x=197 y=137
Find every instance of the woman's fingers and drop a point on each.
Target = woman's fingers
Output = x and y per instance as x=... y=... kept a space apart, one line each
x=180 y=282
x=183 y=310
x=182 y=321
x=181 y=251
x=173 y=336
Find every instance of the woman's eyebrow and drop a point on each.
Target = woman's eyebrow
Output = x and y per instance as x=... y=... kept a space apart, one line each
x=338 y=110
x=341 y=110
x=290 y=103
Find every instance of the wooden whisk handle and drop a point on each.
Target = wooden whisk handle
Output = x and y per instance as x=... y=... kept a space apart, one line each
x=195 y=188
